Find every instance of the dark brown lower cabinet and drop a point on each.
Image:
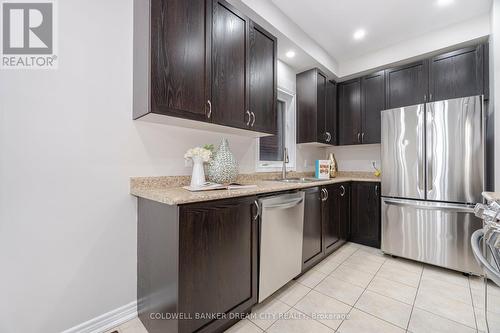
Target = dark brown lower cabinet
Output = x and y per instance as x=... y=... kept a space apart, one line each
x=365 y=213
x=326 y=220
x=335 y=216
x=196 y=259
x=312 y=244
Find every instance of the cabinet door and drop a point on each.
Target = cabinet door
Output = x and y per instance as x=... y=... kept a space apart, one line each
x=457 y=74
x=372 y=102
x=349 y=95
x=331 y=112
x=218 y=259
x=180 y=70
x=229 y=65
x=312 y=246
x=307 y=116
x=365 y=213
x=344 y=210
x=331 y=222
x=263 y=89
x=321 y=108
x=406 y=85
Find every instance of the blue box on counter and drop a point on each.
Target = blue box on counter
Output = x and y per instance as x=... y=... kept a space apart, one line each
x=322 y=169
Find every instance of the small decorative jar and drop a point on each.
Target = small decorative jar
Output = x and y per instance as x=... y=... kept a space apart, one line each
x=223 y=168
x=334 y=169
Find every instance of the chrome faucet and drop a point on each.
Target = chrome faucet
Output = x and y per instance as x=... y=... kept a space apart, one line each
x=285 y=161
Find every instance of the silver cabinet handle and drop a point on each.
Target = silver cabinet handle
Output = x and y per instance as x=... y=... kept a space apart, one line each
x=323 y=194
x=376 y=190
x=342 y=192
x=359 y=137
x=209 y=109
x=328 y=136
x=253 y=121
x=256 y=203
x=249 y=117
x=326 y=192
x=425 y=97
x=362 y=137
x=430 y=97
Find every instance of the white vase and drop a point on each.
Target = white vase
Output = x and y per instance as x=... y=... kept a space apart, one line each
x=198 y=175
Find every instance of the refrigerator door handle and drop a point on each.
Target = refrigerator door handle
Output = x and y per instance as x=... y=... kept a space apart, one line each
x=420 y=151
x=430 y=146
x=464 y=208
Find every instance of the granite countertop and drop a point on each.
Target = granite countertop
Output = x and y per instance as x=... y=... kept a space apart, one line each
x=168 y=190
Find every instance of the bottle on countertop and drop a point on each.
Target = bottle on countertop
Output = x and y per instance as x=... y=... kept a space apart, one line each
x=334 y=169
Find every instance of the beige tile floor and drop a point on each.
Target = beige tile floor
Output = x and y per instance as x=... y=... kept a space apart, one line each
x=358 y=289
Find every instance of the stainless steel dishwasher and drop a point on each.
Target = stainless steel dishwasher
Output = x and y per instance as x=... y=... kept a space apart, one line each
x=281 y=226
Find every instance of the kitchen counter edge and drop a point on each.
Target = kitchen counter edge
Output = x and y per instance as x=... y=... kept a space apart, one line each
x=180 y=196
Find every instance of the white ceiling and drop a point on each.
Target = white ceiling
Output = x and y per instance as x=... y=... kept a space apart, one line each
x=331 y=23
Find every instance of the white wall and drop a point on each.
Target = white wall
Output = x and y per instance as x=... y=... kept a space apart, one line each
x=286 y=27
x=356 y=158
x=436 y=40
x=68 y=147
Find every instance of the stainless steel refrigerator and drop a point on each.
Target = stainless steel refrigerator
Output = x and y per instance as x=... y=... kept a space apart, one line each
x=432 y=175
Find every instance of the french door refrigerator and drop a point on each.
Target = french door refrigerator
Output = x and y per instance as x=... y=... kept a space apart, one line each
x=432 y=175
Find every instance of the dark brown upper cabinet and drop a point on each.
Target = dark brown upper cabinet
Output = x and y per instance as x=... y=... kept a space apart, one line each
x=202 y=61
x=331 y=112
x=262 y=114
x=372 y=103
x=349 y=108
x=314 y=113
x=176 y=82
x=457 y=74
x=407 y=85
x=230 y=65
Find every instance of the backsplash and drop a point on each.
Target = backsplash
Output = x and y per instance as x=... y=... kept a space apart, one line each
x=357 y=157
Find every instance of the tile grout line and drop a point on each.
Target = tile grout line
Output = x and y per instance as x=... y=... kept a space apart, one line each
x=473 y=306
x=439 y=315
x=415 y=298
x=353 y=306
x=311 y=289
x=371 y=314
x=252 y=323
x=305 y=314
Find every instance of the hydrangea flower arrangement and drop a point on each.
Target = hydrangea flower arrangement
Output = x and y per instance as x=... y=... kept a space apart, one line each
x=202 y=153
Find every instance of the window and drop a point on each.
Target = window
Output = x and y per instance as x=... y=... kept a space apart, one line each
x=270 y=148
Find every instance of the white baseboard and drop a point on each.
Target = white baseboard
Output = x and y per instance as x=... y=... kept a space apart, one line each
x=106 y=321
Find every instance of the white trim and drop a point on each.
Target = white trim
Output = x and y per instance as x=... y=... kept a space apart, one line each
x=289 y=98
x=106 y=321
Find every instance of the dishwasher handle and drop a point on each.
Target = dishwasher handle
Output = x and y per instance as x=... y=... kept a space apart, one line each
x=285 y=204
